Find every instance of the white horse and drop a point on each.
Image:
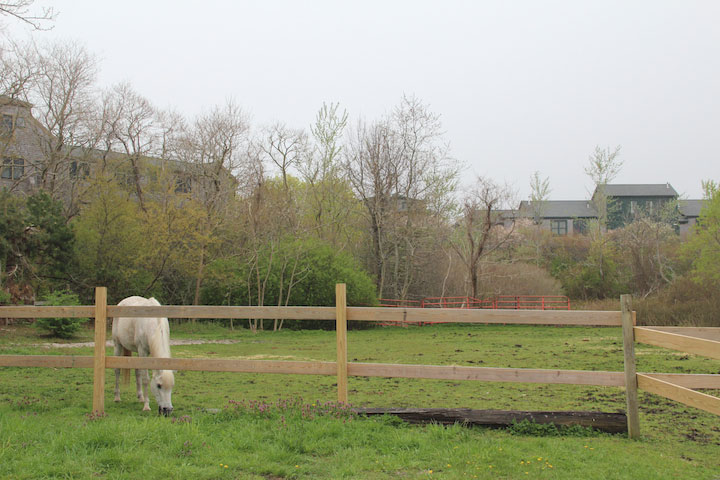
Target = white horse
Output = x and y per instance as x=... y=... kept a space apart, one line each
x=147 y=337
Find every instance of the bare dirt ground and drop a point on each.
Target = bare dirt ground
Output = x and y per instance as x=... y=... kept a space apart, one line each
x=109 y=343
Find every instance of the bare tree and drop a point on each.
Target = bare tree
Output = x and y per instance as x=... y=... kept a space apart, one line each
x=216 y=145
x=481 y=232
x=400 y=169
x=285 y=147
x=21 y=10
x=18 y=67
x=131 y=123
x=539 y=194
x=61 y=87
x=603 y=166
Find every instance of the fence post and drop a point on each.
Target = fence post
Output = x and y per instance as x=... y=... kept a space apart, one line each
x=99 y=362
x=631 y=389
x=341 y=332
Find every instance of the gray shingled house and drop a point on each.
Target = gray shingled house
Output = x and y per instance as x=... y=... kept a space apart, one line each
x=561 y=217
x=624 y=203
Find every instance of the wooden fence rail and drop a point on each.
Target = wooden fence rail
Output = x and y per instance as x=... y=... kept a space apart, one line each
x=681 y=383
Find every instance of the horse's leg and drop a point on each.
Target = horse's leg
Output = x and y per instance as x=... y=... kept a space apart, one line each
x=146 y=389
x=143 y=390
x=138 y=383
x=118 y=352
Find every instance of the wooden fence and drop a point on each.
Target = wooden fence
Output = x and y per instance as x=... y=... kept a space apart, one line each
x=679 y=387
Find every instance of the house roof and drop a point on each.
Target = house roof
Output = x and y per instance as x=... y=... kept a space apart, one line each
x=560 y=209
x=691 y=208
x=639 y=190
x=5 y=100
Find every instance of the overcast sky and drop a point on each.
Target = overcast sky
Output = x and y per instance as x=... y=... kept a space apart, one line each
x=520 y=85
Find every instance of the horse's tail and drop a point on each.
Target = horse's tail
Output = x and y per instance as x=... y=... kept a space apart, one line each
x=126 y=371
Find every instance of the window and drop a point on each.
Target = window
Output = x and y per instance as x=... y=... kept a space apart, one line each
x=20 y=122
x=559 y=227
x=6 y=127
x=183 y=184
x=79 y=170
x=12 y=168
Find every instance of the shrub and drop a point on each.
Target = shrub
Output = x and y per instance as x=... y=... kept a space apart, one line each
x=61 y=327
x=684 y=302
x=518 y=279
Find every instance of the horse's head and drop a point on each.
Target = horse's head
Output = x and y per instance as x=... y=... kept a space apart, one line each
x=161 y=384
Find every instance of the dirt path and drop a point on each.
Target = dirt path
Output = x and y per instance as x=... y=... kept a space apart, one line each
x=109 y=343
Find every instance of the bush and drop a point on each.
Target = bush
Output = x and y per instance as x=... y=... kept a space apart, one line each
x=517 y=279
x=684 y=302
x=61 y=327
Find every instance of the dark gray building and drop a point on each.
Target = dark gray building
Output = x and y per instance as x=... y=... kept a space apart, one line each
x=624 y=203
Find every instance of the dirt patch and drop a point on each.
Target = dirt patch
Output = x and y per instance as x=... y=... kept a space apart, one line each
x=109 y=343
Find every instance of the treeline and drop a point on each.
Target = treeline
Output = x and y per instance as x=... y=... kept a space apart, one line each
x=214 y=209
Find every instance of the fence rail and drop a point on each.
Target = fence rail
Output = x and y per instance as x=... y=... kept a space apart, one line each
x=503 y=302
x=675 y=386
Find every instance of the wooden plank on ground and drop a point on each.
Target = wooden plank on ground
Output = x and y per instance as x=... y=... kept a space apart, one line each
x=527 y=317
x=709 y=333
x=29 y=311
x=203 y=311
x=679 y=394
x=676 y=341
x=52 y=361
x=607 y=422
x=487 y=374
x=689 y=380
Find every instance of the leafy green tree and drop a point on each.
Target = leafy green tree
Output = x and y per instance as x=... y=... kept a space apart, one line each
x=61 y=327
x=36 y=245
x=704 y=244
x=110 y=243
x=292 y=272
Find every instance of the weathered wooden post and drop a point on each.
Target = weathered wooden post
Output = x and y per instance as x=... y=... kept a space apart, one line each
x=631 y=388
x=341 y=333
x=99 y=363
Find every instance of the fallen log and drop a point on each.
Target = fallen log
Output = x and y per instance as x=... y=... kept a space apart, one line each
x=606 y=422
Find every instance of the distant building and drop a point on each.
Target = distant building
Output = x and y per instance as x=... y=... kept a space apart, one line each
x=689 y=213
x=624 y=202
x=31 y=159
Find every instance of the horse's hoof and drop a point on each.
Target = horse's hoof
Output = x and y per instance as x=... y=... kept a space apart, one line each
x=117 y=399
x=146 y=408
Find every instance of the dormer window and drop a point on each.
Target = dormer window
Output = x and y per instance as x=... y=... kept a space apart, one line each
x=6 y=127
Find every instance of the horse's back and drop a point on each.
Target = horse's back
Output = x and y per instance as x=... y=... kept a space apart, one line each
x=129 y=331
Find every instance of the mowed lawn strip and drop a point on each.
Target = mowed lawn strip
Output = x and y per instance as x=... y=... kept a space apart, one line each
x=676 y=438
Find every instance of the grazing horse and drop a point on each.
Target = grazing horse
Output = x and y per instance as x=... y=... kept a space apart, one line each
x=147 y=337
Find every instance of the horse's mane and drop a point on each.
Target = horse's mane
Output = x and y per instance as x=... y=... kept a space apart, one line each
x=159 y=341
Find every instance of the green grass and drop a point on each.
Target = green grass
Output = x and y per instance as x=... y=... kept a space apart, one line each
x=45 y=431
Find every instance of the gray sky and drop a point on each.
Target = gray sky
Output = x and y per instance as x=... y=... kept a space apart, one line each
x=521 y=85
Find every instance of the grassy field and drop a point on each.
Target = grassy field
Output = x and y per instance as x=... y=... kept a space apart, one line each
x=277 y=426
